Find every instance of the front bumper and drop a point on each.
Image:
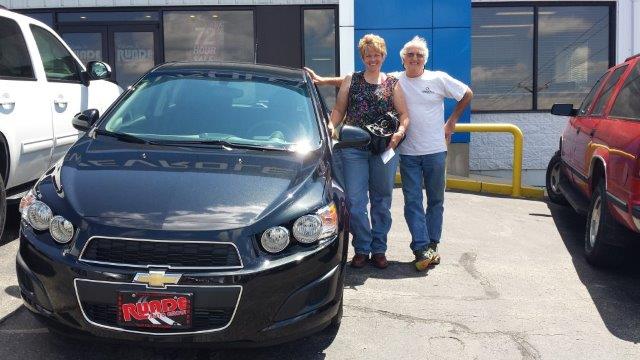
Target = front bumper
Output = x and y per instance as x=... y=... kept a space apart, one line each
x=274 y=302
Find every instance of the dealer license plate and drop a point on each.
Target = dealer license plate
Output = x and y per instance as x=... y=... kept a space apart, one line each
x=154 y=310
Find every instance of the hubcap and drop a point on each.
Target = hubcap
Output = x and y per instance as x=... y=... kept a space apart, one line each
x=595 y=221
x=555 y=178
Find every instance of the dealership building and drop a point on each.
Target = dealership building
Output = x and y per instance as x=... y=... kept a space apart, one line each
x=519 y=57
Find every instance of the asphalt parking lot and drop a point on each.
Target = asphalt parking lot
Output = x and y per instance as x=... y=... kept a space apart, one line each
x=512 y=285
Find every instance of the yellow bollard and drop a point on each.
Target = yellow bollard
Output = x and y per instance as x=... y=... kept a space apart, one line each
x=516 y=185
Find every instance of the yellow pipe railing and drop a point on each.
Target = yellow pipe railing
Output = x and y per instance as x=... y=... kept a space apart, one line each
x=516 y=182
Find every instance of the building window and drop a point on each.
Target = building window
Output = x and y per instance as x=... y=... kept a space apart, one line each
x=209 y=36
x=320 y=47
x=530 y=57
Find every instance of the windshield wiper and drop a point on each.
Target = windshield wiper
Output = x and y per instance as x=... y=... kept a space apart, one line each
x=123 y=136
x=227 y=144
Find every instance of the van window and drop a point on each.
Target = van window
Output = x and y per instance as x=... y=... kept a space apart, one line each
x=598 y=110
x=59 y=64
x=586 y=103
x=627 y=105
x=14 y=56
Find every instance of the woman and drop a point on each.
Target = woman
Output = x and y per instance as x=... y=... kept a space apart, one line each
x=364 y=96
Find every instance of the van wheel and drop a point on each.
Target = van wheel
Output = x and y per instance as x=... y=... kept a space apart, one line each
x=554 y=174
x=601 y=227
x=3 y=208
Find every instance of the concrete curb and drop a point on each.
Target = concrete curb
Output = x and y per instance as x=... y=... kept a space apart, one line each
x=485 y=187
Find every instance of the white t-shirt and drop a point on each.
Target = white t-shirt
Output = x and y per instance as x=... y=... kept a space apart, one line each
x=425 y=96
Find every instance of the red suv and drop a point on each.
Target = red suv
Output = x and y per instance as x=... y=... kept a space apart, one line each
x=597 y=169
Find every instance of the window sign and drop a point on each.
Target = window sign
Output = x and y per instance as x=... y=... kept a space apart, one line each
x=208 y=36
x=134 y=56
x=88 y=46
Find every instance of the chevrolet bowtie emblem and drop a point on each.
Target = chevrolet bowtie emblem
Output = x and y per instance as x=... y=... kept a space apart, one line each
x=157 y=278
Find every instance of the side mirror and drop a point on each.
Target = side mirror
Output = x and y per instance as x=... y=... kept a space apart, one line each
x=96 y=70
x=351 y=136
x=564 y=110
x=84 y=120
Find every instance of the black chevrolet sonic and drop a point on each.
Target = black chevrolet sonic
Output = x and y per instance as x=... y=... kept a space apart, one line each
x=202 y=206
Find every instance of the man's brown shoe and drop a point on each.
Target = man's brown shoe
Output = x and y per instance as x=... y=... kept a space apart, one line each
x=380 y=261
x=359 y=260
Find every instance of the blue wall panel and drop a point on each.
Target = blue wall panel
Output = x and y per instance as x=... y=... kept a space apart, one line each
x=446 y=24
x=395 y=39
x=393 y=14
x=451 y=13
x=452 y=54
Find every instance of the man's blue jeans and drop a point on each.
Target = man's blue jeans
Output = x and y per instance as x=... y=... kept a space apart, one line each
x=367 y=177
x=424 y=227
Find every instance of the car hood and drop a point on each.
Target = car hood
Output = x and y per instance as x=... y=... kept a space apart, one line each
x=179 y=188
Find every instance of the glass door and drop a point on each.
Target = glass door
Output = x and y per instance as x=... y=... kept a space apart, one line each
x=131 y=50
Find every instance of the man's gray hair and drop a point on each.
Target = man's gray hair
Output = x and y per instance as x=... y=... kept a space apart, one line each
x=418 y=42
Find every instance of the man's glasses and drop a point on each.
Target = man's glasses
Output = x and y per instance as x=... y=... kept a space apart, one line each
x=418 y=55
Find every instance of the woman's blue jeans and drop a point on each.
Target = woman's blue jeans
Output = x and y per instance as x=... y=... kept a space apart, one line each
x=424 y=227
x=366 y=178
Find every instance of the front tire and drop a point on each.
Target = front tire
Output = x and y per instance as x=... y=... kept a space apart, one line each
x=554 y=175
x=600 y=228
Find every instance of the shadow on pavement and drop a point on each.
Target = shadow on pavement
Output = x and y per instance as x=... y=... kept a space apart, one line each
x=23 y=337
x=396 y=270
x=614 y=291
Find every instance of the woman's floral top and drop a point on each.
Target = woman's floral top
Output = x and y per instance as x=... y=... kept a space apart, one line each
x=368 y=101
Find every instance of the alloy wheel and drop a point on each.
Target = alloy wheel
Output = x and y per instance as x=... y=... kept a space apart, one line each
x=595 y=221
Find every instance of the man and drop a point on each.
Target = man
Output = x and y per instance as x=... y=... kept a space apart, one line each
x=423 y=153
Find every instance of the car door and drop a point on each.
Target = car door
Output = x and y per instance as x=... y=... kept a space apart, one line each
x=569 y=137
x=588 y=136
x=66 y=92
x=623 y=136
x=25 y=115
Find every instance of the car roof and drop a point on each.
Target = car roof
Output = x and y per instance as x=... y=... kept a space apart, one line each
x=261 y=69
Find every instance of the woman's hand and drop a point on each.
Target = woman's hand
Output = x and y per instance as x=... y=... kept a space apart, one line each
x=317 y=79
x=395 y=139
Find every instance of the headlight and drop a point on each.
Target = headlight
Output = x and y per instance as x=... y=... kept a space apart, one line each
x=39 y=215
x=307 y=228
x=322 y=224
x=25 y=202
x=275 y=239
x=61 y=229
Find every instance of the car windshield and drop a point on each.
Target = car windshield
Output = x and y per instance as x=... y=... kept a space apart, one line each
x=218 y=108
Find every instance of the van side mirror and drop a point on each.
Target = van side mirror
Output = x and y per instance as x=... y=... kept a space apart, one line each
x=84 y=120
x=96 y=70
x=564 y=110
x=351 y=137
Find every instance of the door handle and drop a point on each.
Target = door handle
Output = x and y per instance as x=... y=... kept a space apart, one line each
x=7 y=102
x=60 y=101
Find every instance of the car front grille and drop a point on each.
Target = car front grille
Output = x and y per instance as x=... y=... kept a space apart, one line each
x=203 y=319
x=176 y=254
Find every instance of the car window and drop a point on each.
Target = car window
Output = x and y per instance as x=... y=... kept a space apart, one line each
x=598 y=109
x=59 y=64
x=201 y=107
x=14 y=56
x=586 y=103
x=627 y=104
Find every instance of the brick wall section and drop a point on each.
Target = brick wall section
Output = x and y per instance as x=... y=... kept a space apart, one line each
x=542 y=131
x=38 y=4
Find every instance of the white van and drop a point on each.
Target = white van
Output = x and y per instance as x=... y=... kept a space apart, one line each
x=43 y=85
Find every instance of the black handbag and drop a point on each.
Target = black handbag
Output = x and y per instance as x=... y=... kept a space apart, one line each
x=381 y=129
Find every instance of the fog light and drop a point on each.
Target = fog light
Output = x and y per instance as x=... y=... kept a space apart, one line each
x=61 y=229
x=275 y=239
x=39 y=215
x=307 y=228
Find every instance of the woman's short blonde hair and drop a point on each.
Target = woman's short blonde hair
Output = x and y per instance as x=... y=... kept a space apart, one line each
x=375 y=42
x=418 y=42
